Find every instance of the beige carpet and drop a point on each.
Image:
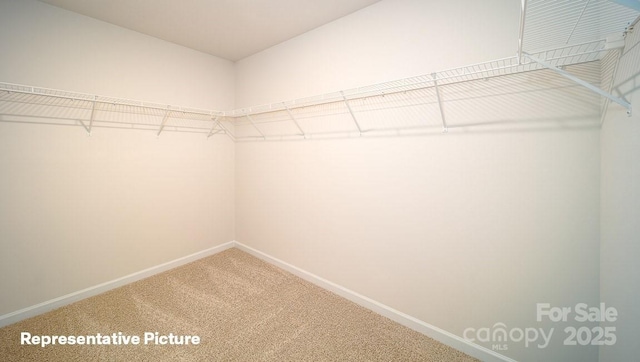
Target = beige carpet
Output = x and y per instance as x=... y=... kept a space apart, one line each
x=242 y=308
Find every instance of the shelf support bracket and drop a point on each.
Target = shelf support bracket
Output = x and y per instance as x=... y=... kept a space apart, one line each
x=93 y=113
x=85 y=127
x=523 y=12
x=213 y=127
x=294 y=120
x=164 y=121
x=444 y=121
x=611 y=84
x=224 y=129
x=353 y=116
x=587 y=85
x=256 y=127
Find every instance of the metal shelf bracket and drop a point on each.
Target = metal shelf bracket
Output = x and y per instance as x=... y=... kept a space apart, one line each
x=445 y=129
x=93 y=113
x=224 y=129
x=256 y=127
x=523 y=12
x=294 y=120
x=164 y=121
x=85 y=127
x=587 y=85
x=213 y=131
x=353 y=116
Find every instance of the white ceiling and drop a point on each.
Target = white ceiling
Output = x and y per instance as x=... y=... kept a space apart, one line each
x=230 y=29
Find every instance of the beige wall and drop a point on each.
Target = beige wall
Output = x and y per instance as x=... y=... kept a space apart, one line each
x=382 y=42
x=620 y=199
x=79 y=210
x=458 y=230
x=46 y=46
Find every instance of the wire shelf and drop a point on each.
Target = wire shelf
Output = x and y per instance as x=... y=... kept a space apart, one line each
x=552 y=24
x=20 y=103
x=563 y=34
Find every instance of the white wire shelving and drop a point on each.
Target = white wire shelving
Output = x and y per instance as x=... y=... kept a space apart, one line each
x=556 y=23
x=572 y=35
x=20 y=103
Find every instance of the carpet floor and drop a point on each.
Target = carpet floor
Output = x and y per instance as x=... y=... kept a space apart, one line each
x=241 y=308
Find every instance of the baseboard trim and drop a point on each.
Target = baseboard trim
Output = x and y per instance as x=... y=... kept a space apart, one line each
x=43 y=307
x=427 y=329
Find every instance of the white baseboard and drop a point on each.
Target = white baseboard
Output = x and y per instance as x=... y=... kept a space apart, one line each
x=429 y=330
x=37 y=309
x=436 y=333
